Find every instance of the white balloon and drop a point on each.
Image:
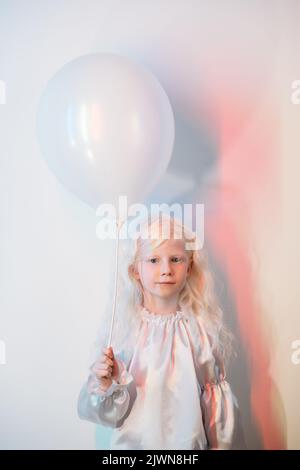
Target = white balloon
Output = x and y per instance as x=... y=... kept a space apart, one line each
x=106 y=128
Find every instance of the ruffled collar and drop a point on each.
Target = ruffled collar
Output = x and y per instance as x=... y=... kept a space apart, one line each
x=145 y=313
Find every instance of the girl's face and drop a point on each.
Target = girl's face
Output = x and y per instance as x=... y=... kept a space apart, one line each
x=163 y=271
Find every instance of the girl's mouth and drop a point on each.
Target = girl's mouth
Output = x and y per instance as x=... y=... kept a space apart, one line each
x=166 y=283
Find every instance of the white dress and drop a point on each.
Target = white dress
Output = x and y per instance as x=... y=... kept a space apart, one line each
x=170 y=395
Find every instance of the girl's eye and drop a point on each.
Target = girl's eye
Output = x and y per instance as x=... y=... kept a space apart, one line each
x=176 y=259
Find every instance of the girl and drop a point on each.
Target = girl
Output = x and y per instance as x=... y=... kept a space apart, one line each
x=165 y=386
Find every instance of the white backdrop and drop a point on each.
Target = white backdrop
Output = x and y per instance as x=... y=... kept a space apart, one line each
x=53 y=271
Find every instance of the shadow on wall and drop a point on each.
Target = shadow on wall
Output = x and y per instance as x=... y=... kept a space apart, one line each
x=192 y=172
x=262 y=415
x=238 y=372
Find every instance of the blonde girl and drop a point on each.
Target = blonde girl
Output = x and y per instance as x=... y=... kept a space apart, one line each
x=163 y=385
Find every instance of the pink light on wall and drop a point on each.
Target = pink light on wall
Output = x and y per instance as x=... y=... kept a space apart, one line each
x=247 y=193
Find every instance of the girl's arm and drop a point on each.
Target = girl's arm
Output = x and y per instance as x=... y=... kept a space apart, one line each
x=218 y=403
x=219 y=406
x=106 y=408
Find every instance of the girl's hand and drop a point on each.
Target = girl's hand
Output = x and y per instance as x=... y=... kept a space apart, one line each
x=106 y=368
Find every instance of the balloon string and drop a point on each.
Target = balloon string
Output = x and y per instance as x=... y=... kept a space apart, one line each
x=119 y=225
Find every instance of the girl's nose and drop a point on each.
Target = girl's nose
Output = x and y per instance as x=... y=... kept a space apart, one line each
x=166 y=269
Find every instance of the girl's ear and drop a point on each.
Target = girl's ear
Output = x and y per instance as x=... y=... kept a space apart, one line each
x=133 y=272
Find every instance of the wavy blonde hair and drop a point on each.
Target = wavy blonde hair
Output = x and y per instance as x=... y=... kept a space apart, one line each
x=197 y=296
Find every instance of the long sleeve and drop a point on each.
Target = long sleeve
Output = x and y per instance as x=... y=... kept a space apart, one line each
x=218 y=410
x=106 y=408
x=218 y=403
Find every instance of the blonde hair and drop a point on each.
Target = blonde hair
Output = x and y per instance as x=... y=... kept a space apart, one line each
x=198 y=295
